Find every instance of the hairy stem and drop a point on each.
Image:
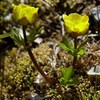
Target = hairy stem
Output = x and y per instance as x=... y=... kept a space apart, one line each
x=33 y=58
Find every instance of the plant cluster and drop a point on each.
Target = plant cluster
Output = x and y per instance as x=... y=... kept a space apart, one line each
x=25 y=15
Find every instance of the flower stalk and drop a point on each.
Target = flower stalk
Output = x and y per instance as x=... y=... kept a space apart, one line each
x=76 y=25
x=75 y=56
x=32 y=57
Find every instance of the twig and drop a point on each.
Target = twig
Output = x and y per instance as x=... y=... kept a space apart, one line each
x=48 y=96
x=97 y=52
x=93 y=35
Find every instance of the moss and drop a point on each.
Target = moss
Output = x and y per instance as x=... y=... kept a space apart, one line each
x=19 y=75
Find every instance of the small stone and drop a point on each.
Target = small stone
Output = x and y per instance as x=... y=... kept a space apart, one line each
x=94 y=70
x=33 y=96
x=96 y=13
x=39 y=79
x=38 y=40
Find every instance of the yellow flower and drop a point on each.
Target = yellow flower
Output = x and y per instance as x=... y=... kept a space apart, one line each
x=76 y=24
x=24 y=14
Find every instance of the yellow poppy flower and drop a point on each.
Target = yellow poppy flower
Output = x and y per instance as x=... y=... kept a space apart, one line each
x=76 y=24
x=24 y=14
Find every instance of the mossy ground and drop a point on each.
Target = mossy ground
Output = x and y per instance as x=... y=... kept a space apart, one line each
x=20 y=73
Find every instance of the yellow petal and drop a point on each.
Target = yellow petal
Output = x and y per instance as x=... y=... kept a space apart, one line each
x=18 y=12
x=84 y=18
x=15 y=11
x=74 y=17
x=69 y=26
x=31 y=14
x=83 y=25
x=64 y=17
x=83 y=28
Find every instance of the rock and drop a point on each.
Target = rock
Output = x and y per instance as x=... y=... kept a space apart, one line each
x=33 y=96
x=95 y=11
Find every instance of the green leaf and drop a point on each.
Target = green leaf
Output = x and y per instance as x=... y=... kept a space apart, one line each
x=5 y=35
x=73 y=81
x=63 y=46
x=67 y=73
x=81 y=52
x=17 y=38
x=14 y=35
x=34 y=34
x=68 y=43
x=67 y=78
x=62 y=81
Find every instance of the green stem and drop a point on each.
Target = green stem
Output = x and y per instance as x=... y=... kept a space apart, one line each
x=75 y=56
x=33 y=58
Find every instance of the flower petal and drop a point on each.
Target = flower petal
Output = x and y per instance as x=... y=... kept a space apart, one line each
x=31 y=14
x=83 y=25
x=84 y=18
x=69 y=26
x=74 y=17
x=83 y=28
x=65 y=17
